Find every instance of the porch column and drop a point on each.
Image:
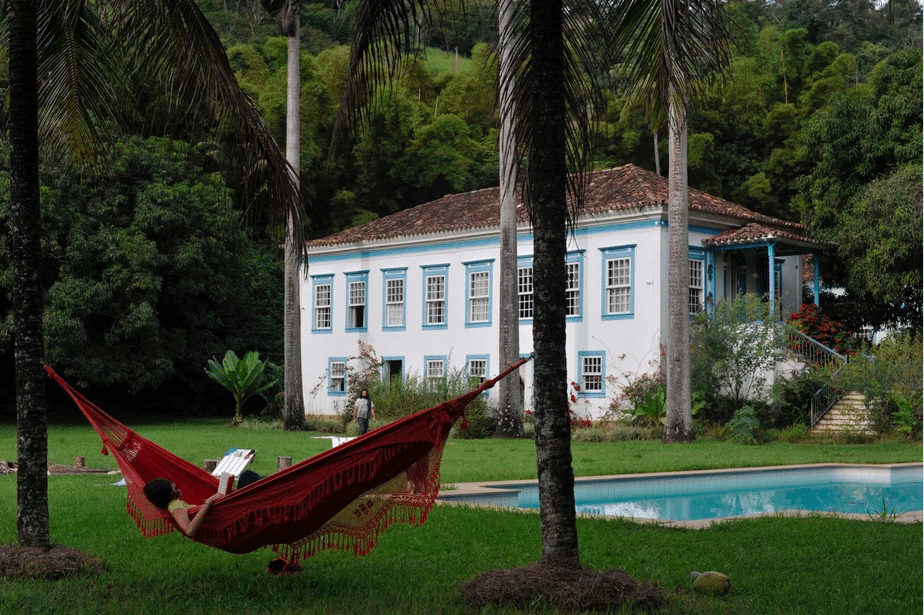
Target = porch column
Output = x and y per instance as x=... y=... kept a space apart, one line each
x=771 y=286
x=711 y=274
x=816 y=284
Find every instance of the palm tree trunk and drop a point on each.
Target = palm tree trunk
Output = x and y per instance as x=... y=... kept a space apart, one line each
x=293 y=414
x=32 y=435
x=679 y=426
x=548 y=199
x=510 y=404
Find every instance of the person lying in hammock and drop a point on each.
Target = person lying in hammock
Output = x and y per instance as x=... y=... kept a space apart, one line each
x=164 y=494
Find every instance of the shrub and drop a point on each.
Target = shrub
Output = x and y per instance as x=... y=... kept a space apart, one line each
x=744 y=428
x=637 y=389
x=733 y=350
x=792 y=397
x=891 y=380
x=590 y=434
x=323 y=425
x=482 y=421
x=793 y=434
x=577 y=421
x=617 y=433
x=719 y=410
x=652 y=411
x=811 y=321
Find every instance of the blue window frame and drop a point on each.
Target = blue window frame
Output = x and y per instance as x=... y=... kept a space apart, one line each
x=322 y=295
x=574 y=295
x=435 y=289
x=434 y=372
x=618 y=294
x=697 y=280
x=357 y=318
x=479 y=283
x=337 y=384
x=477 y=368
x=394 y=299
x=592 y=373
x=525 y=302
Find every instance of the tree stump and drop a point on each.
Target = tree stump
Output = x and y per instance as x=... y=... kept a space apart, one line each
x=283 y=463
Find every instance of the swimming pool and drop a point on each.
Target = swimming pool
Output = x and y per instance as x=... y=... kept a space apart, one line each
x=693 y=496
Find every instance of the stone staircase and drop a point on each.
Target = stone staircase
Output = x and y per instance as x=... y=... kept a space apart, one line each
x=847 y=415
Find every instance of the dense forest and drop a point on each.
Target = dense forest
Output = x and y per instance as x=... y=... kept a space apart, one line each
x=160 y=258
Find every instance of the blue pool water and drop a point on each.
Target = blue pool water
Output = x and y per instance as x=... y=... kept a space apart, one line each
x=710 y=495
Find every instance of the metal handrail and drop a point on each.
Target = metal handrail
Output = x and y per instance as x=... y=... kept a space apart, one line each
x=812 y=350
x=824 y=398
x=820 y=355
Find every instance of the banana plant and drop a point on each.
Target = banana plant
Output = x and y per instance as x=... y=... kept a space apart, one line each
x=652 y=411
x=243 y=377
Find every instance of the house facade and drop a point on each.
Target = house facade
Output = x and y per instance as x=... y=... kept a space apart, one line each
x=420 y=287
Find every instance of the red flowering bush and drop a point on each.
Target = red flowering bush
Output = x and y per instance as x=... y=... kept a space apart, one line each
x=576 y=420
x=811 y=321
x=638 y=389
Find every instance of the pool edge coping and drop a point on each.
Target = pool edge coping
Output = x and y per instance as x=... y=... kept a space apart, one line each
x=448 y=496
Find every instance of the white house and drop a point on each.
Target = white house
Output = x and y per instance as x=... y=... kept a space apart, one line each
x=421 y=286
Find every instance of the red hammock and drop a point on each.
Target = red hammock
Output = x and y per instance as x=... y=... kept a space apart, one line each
x=340 y=499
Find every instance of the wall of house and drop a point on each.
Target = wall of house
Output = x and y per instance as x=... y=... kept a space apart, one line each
x=623 y=344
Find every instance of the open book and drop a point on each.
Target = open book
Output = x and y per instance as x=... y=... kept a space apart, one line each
x=225 y=483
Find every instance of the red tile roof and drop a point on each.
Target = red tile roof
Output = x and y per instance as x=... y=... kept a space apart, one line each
x=620 y=189
x=754 y=232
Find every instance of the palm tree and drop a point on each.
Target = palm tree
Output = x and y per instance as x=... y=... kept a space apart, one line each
x=554 y=96
x=672 y=48
x=31 y=439
x=510 y=404
x=293 y=411
x=85 y=52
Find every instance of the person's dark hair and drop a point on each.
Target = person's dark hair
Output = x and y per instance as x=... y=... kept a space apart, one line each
x=159 y=492
x=368 y=395
x=247 y=477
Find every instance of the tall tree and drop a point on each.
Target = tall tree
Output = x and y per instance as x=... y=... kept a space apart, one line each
x=863 y=191
x=679 y=414
x=293 y=410
x=32 y=437
x=510 y=403
x=85 y=52
x=672 y=48
x=547 y=189
x=554 y=95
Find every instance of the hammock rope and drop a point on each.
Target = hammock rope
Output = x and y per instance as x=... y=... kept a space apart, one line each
x=342 y=498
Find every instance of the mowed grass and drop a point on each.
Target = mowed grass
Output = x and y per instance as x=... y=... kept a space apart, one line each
x=817 y=564
x=463 y=460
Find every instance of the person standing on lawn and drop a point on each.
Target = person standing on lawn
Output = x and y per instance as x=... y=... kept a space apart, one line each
x=363 y=411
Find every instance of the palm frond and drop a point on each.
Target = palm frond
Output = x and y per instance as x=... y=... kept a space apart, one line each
x=583 y=101
x=382 y=37
x=670 y=47
x=78 y=78
x=171 y=43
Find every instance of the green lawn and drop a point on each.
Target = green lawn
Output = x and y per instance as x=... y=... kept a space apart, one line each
x=777 y=565
x=463 y=460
